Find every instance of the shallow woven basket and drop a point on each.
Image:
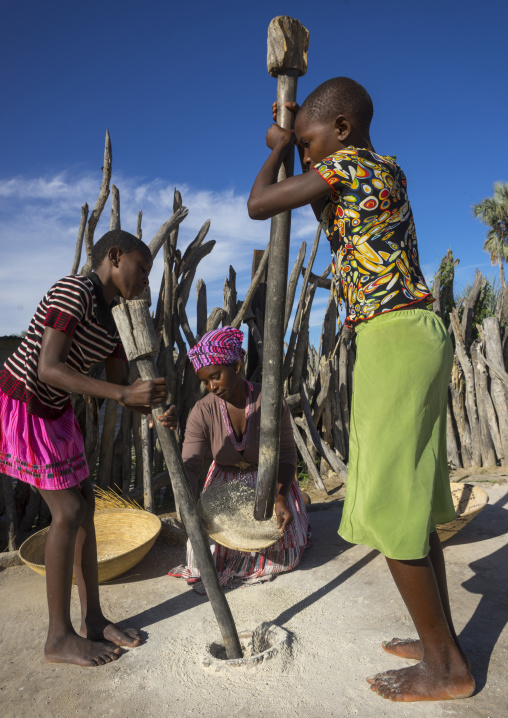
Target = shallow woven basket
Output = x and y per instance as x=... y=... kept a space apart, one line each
x=468 y=500
x=228 y=514
x=124 y=537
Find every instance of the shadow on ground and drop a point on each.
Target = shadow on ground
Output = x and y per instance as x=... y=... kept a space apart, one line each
x=483 y=630
x=326 y=547
x=490 y=523
x=479 y=636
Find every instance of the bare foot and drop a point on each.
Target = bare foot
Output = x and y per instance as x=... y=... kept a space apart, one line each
x=80 y=651
x=423 y=683
x=104 y=629
x=404 y=648
x=412 y=648
x=130 y=637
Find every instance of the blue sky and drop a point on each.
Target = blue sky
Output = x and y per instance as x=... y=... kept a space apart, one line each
x=184 y=91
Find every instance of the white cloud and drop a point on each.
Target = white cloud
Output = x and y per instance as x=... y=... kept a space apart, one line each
x=40 y=218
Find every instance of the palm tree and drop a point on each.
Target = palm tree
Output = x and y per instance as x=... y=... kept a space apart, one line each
x=493 y=211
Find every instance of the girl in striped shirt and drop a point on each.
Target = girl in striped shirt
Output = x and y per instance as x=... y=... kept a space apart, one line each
x=41 y=442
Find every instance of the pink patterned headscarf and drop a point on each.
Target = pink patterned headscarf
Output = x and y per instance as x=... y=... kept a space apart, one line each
x=220 y=346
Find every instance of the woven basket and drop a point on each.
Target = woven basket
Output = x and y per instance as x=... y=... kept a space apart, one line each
x=228 y=514
x=468 y=500
x=124 y=537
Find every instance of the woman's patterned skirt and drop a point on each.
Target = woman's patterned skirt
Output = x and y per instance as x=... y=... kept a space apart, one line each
x=244 y=568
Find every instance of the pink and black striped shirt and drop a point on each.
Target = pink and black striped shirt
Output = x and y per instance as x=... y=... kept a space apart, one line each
x=74 y=305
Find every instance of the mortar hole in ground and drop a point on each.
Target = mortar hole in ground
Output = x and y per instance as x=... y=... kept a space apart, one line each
x=260 y=644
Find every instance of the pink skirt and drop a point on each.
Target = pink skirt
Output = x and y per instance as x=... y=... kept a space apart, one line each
x=47 y=453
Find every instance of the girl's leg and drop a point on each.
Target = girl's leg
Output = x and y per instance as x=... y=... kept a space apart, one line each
x=94 y=625
x=410 y=647
x=442 y=673
x=63 y=645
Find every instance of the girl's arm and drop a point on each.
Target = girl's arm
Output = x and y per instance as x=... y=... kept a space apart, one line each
x=53 y=370
x=269 y=197
x=319 y=205
x=116 y=373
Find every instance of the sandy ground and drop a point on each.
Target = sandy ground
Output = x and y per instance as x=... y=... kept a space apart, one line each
x=338 y=607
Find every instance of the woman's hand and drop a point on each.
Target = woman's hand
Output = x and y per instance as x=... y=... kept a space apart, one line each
x=145 y=393
x=283 y=514
x=169 y=418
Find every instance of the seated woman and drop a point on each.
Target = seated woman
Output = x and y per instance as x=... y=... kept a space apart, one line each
x=226 y=422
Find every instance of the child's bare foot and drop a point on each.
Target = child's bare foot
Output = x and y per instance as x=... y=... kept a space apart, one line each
x=412 y=648
x=80 y=651
x=130 y=637
x=423 y=683
x=104 y=629
x=404 y=648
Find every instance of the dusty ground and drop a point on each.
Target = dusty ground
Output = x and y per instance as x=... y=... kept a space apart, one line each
x=338 y=607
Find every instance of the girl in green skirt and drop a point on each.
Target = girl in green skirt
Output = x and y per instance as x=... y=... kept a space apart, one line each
x=398 y=485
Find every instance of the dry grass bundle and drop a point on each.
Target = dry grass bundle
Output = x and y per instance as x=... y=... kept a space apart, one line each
x=110 y=499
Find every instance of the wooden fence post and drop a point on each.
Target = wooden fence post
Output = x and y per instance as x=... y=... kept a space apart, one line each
x=10 y=510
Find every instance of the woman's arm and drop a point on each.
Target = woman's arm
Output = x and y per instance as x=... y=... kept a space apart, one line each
x=194 y=444
x=53 y=370
x=282 y=512
x=287 y=468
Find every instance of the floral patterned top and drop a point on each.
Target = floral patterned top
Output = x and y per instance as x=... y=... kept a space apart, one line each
x=369 y=223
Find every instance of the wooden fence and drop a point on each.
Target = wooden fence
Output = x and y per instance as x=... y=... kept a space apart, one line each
x=317 y=382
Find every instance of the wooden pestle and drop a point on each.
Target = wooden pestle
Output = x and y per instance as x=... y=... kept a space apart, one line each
x=139 y=340
x=288 y=42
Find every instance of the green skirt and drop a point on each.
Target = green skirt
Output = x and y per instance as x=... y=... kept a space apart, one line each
x=398 y=485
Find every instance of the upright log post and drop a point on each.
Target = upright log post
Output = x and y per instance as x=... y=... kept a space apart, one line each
x=139 y=339
x=494 y=352
x=254 y=318
x=467 y=368
x=147 y=465
x=488 y=446
x=288 y=43
x=10 y=510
